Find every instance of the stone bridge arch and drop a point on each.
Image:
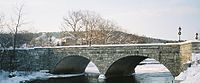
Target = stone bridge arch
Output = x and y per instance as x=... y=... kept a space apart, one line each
x=122 y=66
x=71 y=65
x=125 y=66
x=74 y=64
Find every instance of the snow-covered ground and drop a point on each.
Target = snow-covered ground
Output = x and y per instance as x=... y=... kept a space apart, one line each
x=26 y=76
x=192 y=74
x=21 y=76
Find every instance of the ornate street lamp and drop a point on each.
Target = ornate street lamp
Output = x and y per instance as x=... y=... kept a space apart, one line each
x=196 y=36
x=179 y=33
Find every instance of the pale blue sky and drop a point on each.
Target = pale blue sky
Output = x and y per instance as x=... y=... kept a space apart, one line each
x=153 y=18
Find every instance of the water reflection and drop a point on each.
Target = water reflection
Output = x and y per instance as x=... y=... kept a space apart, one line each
x=86 y=79
x=75 y=79
x=122 y=79
x=164 y=77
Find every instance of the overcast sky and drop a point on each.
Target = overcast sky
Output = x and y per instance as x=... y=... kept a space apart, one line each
x=152 y=18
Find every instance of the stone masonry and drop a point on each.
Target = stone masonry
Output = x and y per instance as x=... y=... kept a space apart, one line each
x=172 y=55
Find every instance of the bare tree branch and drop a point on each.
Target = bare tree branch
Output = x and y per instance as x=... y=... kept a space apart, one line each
x=95 y=29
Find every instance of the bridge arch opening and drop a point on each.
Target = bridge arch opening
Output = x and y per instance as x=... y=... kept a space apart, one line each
x=150 y=65
x=128 y=65
x=73 y=65
x=92 y=68
x=124 y=66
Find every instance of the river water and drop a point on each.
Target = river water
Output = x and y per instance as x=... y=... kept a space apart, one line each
x=163 y=77
x=152 y=72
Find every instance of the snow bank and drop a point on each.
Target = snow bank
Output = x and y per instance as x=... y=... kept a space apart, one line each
x=191 y=75
x=22 y=76
x=195 y=56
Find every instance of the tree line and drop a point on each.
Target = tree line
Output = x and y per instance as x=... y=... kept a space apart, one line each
x=88 y=27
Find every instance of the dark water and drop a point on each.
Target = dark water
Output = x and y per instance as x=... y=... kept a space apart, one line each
x=86 y=79
x=159 y=77
x=76 y=79
x=125 y=79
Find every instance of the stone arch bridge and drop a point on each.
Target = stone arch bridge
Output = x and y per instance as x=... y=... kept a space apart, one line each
x=111 y=60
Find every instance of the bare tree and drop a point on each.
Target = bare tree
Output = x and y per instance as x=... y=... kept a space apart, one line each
x=91 y=23
x=99 y=30
x=106 y=29
x=73 y=22
x=5 y=39
x=14 y=26
x=90 y=27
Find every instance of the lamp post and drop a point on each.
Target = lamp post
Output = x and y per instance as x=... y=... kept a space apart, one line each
x=196 y=36
x=179 y=33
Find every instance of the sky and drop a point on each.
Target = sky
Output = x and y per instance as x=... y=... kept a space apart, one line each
x=151 y=18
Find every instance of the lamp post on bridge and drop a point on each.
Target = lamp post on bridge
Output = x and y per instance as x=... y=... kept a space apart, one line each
x=179 y=33
x=196 y=36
